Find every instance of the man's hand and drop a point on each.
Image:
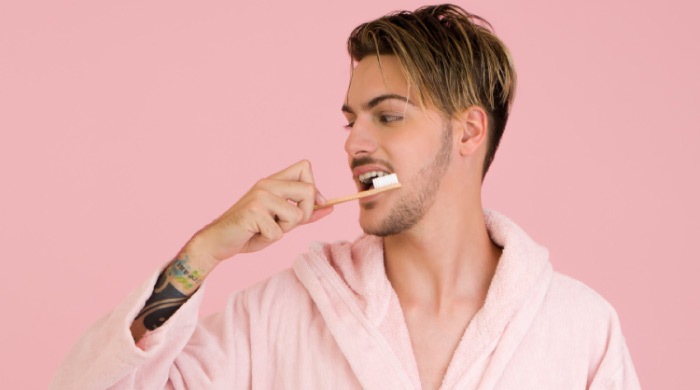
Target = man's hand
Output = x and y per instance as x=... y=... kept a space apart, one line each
x=274 y=206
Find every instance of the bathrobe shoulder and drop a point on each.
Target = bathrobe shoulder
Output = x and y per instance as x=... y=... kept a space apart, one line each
x=334 y=321
x=574 y=340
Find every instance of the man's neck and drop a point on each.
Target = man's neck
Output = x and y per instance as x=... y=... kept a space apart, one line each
x=446 y=259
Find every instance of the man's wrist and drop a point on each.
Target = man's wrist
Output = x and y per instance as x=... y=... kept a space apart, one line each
x=183 y=275
x=197 y=256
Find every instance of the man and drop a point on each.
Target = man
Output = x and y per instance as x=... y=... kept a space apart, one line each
x=438 y=294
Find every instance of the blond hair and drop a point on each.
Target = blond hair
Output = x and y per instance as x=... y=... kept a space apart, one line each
x=451 y=56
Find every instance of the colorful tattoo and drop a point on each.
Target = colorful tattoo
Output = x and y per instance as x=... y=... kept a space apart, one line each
x=181 y=271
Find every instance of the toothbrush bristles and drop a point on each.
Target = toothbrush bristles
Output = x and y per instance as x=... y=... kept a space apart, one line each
x=384 y=181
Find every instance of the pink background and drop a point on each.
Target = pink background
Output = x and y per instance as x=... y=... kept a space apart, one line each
x=127 y=125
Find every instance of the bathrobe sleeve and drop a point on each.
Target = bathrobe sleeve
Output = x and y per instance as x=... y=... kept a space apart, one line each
x=184 y=353
x=616 y=370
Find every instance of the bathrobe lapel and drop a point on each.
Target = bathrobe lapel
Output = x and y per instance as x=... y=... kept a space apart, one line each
x=357 y=335
x=349 y=287
x=514 y=297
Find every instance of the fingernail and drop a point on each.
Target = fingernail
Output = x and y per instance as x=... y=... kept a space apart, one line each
x=320 y=199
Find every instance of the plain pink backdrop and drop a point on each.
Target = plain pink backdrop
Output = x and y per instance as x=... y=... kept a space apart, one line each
x=127 y=125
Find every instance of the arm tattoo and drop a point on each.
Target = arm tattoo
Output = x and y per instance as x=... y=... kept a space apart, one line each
x=166 y=299
x=183 y=273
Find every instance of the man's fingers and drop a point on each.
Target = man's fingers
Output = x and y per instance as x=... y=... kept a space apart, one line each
x=285 y=214
x=300 y=171
x=288 y=216
x=305 y=194
x=270 y=231
x=301 y=193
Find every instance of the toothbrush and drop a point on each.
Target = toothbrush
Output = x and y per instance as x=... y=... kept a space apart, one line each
x=381 y=184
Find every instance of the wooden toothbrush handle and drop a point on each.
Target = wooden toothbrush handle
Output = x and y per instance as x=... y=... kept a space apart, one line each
x=358 y=195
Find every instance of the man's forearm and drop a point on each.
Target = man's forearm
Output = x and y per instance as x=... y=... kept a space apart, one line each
x=178 y=281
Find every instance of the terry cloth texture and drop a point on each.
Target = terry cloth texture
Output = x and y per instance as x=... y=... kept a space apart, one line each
x=333 y=321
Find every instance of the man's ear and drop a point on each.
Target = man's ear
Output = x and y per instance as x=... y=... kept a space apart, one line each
x=473 y=124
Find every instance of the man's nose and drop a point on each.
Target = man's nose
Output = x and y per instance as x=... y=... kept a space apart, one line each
x=360 y=139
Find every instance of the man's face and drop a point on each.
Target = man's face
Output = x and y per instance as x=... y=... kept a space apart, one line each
x=389 y=132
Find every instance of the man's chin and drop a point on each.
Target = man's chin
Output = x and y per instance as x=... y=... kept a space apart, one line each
x=375 y=221
x=369 y=224
x=368 y=205
x=374 y=232
x=374 y=227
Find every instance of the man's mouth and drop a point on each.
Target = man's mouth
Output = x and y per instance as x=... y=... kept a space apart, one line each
x=366 y=178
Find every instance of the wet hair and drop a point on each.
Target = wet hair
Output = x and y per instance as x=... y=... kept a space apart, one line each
x=452 y=57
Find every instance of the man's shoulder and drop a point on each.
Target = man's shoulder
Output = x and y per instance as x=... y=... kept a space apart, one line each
x=579 y=320
x=273 y=297
x=572 y=300
x=569 y=285
x=284 y=285
x=339 y=255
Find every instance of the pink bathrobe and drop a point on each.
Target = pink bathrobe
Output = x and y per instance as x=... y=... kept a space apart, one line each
x=334 y=322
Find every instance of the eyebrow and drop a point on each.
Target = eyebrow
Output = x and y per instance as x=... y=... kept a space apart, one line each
x=375 y=101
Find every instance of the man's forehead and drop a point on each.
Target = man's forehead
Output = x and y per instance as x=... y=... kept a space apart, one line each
x=375 y=76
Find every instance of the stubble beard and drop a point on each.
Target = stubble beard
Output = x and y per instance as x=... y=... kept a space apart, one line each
x=410 y=208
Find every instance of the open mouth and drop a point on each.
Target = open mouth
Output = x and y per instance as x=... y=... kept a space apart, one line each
x=365 y=179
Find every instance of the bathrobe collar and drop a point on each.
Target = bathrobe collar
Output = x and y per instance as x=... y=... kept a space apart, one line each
x=348 y=284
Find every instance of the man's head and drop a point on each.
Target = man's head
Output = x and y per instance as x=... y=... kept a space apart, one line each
x=450 y=57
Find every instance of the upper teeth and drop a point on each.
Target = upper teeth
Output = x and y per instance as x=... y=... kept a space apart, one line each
x=366 y=178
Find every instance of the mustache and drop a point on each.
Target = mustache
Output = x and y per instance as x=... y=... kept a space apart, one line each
x=366 y=160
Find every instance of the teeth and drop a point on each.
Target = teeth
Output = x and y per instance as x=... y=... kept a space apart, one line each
x=366 y=178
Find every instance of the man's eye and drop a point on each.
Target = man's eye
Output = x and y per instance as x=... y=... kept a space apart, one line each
x=349 y=126
x=390 y=118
